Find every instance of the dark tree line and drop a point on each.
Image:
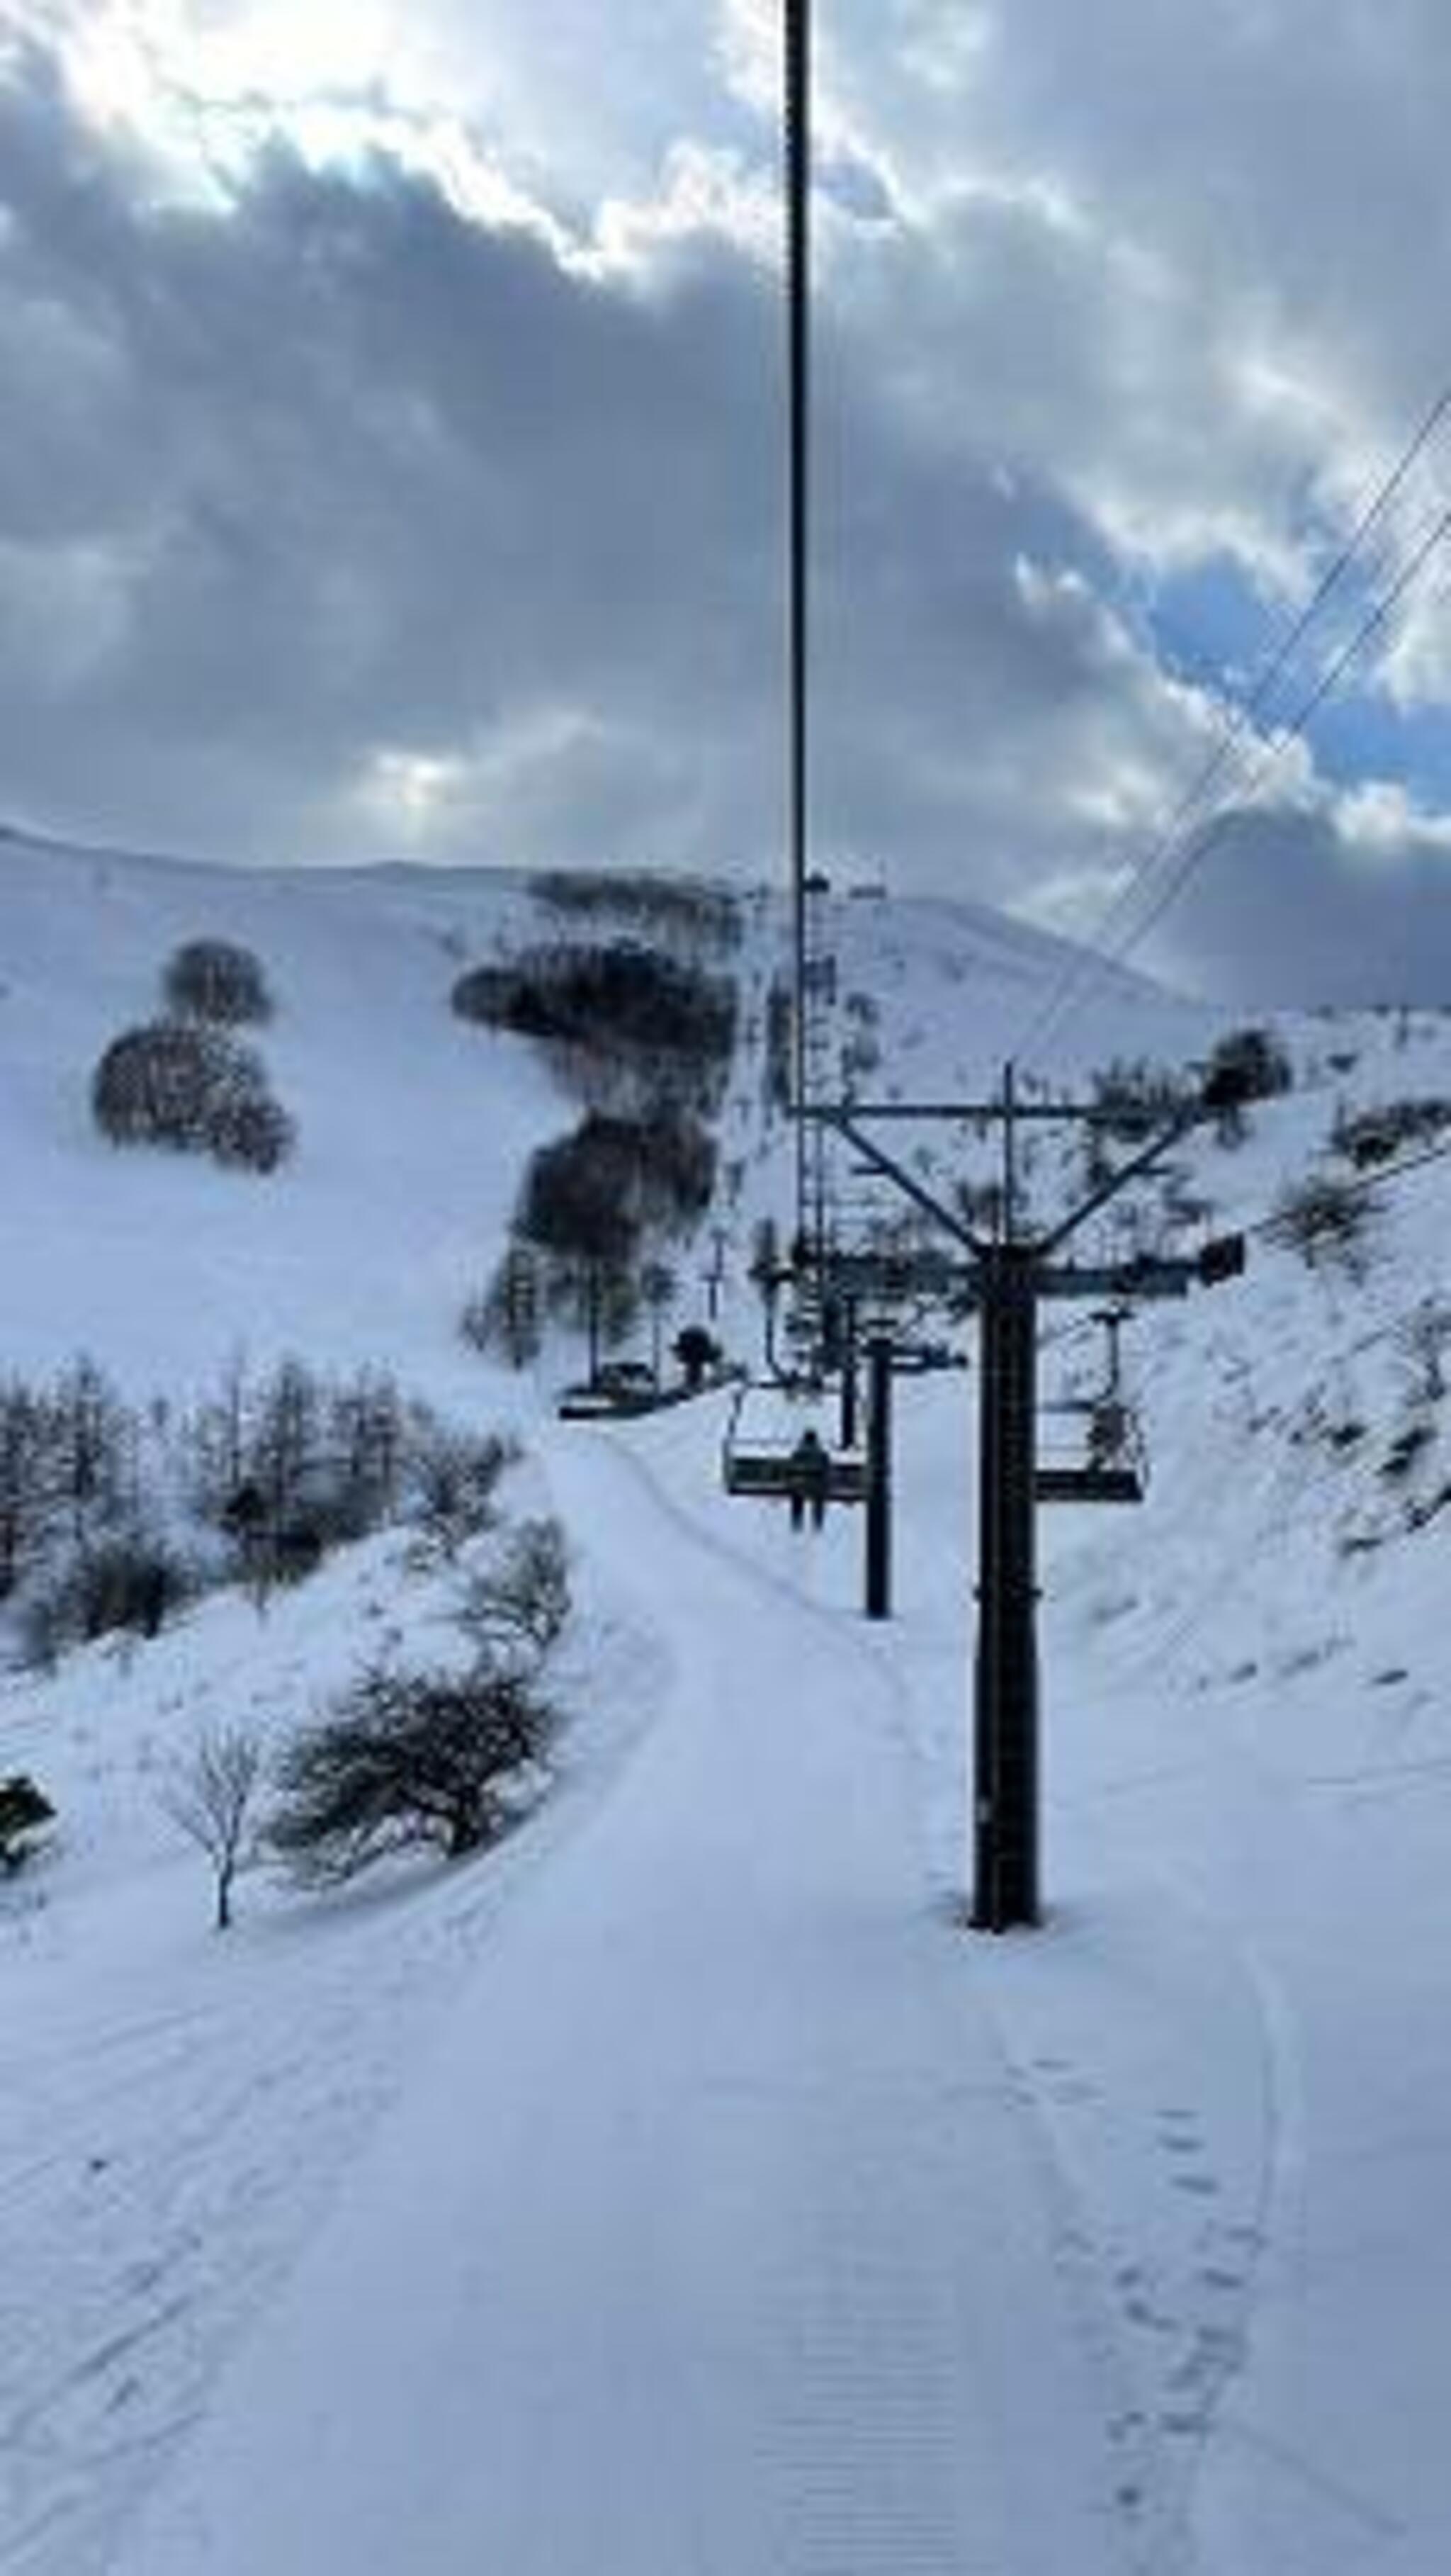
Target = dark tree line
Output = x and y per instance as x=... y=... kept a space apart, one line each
x=111 y=1514
x=687 y=908
x=619 y=1018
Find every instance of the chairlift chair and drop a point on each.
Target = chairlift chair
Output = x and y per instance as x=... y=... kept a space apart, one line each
x=1114 y=1467
x=768 y=1469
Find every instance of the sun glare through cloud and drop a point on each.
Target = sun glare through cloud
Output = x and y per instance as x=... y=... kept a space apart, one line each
x=386 y=293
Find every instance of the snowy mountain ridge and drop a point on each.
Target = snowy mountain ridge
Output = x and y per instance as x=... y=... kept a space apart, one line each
x=791 y=2213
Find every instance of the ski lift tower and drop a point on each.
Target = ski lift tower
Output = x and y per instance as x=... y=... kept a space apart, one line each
x=1005 y=1280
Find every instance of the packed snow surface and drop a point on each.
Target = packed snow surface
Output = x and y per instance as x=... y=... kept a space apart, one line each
x=680 y=2186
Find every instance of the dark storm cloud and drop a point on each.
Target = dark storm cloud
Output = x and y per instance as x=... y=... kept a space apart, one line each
x=1285 y=910
x=335 y=522
x=335 y=470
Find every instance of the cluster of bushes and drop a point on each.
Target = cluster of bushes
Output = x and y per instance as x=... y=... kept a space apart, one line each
x=648 y=1042
x=170 y=1083
x=611 y=1179
x=25 y=1811
x=1373 y=1135
x=186 y=1080
x=218 y=981
x=409 y=1758
x=686 y=908
x=1134 y=1097
x=1327 y=1221
x=587 y=1207
x=443 y=1756
x=618 y=1017
x=1245 y=1065
x=113 y=1515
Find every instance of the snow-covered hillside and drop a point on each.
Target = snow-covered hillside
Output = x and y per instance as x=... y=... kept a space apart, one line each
x=678 y=2185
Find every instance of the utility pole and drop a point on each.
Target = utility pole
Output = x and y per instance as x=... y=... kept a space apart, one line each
x=1005 y=1678
x=1005 y=1280
x=878 y=1570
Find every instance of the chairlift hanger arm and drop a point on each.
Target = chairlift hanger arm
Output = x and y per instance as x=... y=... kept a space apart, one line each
x=1139 y=1278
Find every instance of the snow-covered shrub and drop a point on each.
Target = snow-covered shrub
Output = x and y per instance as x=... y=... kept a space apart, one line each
x=592 y=1193
x=1255 y=1060
x=24 y=1810
x=180 y=1083
x=518 y=1605
x=254 y=1132
x=1135 y=1096
x=453 y=1480
x=217 y=980
x=1374 y=1134
x=1328 y=1222
x=1245 y=1065
x=407 y=1758
x=697 y=1350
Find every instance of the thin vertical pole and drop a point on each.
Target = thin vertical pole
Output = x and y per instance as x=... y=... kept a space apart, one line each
x=1010 y=1155
x=798 y=281
x=878 y=1568
x=848 y=1373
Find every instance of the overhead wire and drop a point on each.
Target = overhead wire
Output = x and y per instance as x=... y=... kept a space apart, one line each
x=1190 y=855
x=1100 y=957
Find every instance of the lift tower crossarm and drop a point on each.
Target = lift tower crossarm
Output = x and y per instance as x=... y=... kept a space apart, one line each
x=883 y=1162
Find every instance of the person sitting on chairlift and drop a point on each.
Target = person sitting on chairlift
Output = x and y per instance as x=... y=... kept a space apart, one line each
x=810 y=1470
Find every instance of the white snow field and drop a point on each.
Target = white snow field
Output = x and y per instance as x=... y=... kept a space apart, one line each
x=679 y=2186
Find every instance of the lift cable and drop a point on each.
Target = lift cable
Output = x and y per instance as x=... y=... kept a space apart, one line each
x=1107 y=951
x=1190 y=856
x=797 y=147
x=1365 y=1184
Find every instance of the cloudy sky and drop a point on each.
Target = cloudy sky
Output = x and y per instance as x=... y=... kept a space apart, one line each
x=391 y=448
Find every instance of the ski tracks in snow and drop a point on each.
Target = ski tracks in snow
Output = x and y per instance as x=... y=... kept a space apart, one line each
x=708 y=2246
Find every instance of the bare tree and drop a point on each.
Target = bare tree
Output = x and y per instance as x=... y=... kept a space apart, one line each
x=210 y=1799
x=658 y=1287
x=518 y=1605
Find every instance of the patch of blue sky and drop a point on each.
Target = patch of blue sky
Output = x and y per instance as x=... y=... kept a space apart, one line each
x=1210 y=626
x=1357 y=735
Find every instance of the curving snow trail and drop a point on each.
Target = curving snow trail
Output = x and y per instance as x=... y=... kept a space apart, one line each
x=706 y=2239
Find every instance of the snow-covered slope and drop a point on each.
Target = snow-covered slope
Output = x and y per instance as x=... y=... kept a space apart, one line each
x=679 y=2185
